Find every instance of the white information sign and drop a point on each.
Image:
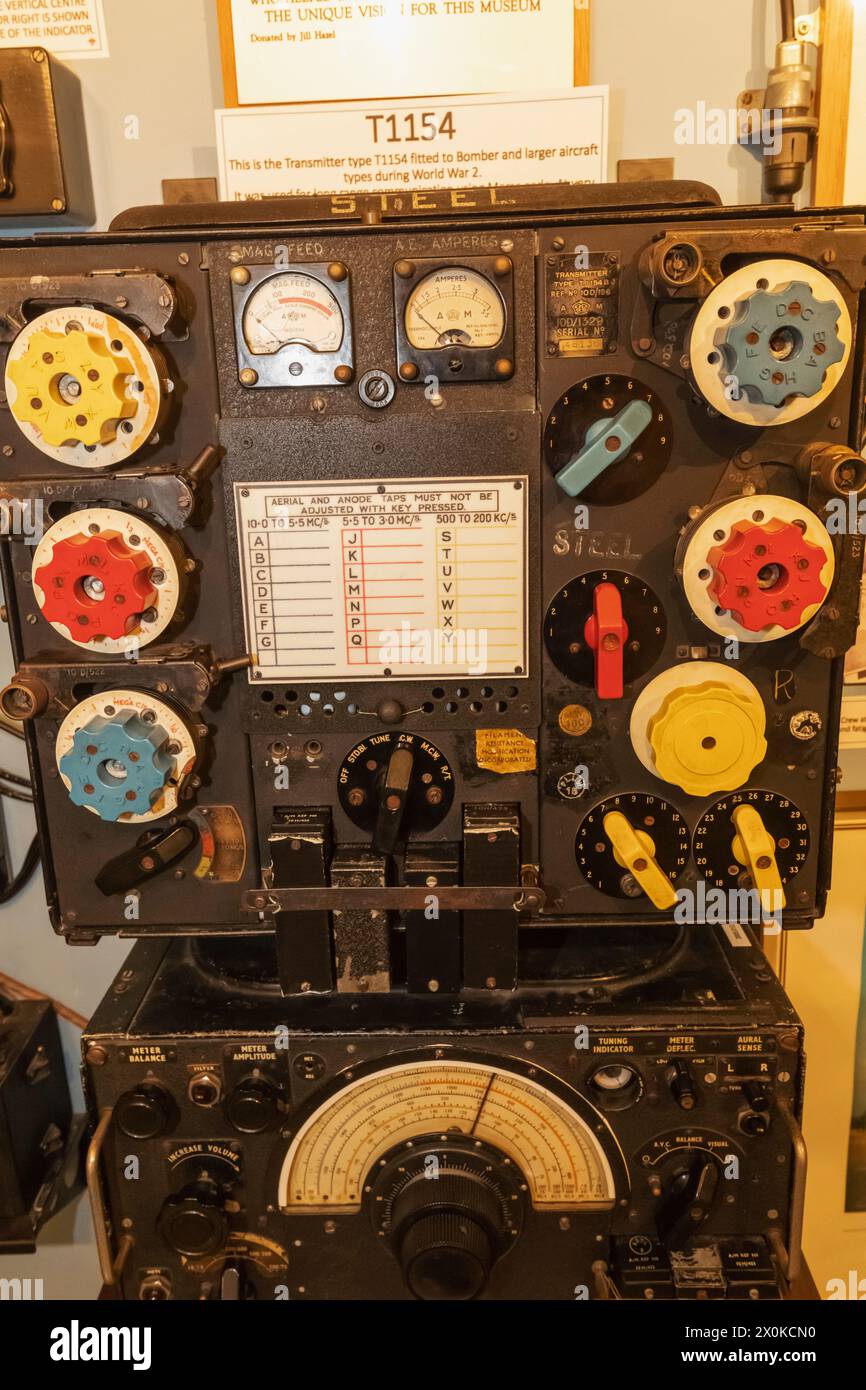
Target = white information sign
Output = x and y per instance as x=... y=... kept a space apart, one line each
x=354 y=580
x=298 y=50
x=465 y=142
x=69 y=30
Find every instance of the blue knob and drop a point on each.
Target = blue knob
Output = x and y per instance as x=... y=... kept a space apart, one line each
x=117 y=766
x=606 y=441
x=781 y=343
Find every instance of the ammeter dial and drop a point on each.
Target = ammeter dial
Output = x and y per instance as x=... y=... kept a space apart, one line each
x=721 y=855
x=292 y=308
x=663 y=837
x=454 y=306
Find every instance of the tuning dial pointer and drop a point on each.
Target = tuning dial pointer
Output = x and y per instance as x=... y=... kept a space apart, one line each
x=605 y=631
x=754 y=846
x=606 y=441
x=635 y=850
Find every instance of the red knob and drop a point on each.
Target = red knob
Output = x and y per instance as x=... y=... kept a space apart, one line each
x=96 y=586
x=606 y=632
x=767 y=574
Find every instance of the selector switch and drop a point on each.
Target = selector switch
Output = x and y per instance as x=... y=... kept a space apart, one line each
x=605 y=632
x=606 y=441
x=635 y=851
x=754 y=846
x=682 y=1086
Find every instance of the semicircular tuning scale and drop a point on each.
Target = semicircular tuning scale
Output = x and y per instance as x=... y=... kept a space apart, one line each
x=106 y=580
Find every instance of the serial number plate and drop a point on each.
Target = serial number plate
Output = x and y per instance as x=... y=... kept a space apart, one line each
x=376 y=580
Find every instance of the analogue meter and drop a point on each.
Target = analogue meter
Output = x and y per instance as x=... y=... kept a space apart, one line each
x=454 y=306
x=292 y=308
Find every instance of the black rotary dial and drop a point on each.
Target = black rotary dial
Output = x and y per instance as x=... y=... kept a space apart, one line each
x=713 y=843
x=593 y=402
x=648 y=814
x=400 y=770
x=448 y=1210
x=567 y=616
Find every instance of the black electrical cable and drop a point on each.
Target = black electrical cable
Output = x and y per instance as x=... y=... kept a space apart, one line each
x=788 y=30
x=31 y=859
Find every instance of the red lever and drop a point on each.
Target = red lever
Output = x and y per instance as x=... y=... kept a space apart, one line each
x=606 y=632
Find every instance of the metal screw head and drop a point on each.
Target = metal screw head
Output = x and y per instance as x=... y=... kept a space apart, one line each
x=96 y=1055
x=248 y=376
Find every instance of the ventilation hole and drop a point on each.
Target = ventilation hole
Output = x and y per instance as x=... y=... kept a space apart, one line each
x=476 y=707
x=291 y=696
x=461 y=692
x=327 y=709
x=305 y=711
x=267 y=696
x=339 y=695
x=512 y=691
x=437 y=692
x=486 y=692
x=427 y=707
x=315 y=696
x=501 y=706
x=281 y=710
x=451 y=708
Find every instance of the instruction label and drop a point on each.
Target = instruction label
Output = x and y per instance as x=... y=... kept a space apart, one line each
x=72 y=30
x=372 y=580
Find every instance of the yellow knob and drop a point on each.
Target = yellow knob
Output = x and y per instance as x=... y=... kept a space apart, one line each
x=754 y=846
x=708 y=738
x=72 y=386
x=635 y=851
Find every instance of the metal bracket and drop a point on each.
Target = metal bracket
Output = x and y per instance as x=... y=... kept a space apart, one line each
x=809 y=27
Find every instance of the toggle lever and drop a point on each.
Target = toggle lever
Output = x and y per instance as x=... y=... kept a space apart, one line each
x=635 y=851
x=754 y=846
x=606 y=441
x=606 y=632
x=393 y=795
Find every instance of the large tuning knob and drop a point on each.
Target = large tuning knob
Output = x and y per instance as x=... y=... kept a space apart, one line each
x=194 y=1221
x=701 y=727
x=446 y=1235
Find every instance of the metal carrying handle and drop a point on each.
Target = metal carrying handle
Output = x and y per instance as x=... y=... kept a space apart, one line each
x=789 y=1256
x=110 y=1266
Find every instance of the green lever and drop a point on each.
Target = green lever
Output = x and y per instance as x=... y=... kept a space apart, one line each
x=606 y=441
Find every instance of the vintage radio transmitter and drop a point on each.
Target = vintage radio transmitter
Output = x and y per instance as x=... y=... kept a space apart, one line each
x=406 y=575
x=632 y=1134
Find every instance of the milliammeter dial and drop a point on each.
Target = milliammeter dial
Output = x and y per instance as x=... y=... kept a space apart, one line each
x=106 y=580
x=605 y=628
x=607 y=439
x=83 y=387
x=292 y=308
x=746 y=838
x=770 y=342
x=335 y=1153
x=632 y=845
x=454 y=307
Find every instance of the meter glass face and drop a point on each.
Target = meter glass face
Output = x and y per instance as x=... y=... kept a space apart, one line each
x=457 y=307
x=292 y=308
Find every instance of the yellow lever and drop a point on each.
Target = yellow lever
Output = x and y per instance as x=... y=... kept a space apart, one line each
x=754 y=846
x=635 y=851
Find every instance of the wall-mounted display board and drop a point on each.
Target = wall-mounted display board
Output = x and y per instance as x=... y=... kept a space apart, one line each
x=825 y=976
x=288 y=51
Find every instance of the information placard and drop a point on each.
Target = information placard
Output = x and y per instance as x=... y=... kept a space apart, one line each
x=304 y=50
x=485 y=142
x=69 y=30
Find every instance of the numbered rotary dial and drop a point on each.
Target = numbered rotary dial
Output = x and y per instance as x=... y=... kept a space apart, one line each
x=753 y=839
x=395 y=784
x=756 y=568
x=454 y=307
x=607 y=439
x=106 y=580
x=83 y=388
x=124 y=755
x=292 y=308
x=605 y=628
x=770 y=342
x=633 y=845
